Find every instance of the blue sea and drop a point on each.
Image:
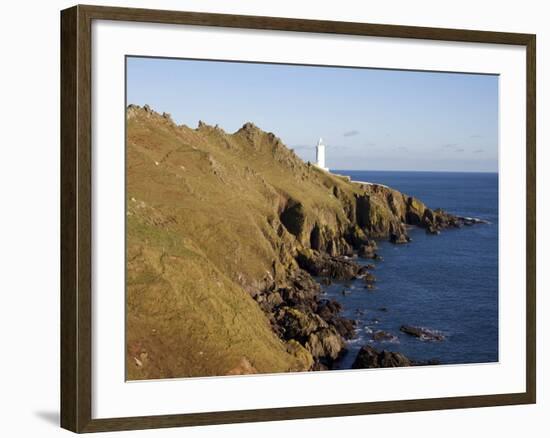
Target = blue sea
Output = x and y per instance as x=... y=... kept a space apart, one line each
x=447 y=283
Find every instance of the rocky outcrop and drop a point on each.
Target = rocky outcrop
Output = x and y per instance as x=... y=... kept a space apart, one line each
x=298 y=314
x=369 y=278
x=318 y=336
x=383 y=336
x=321 y=264
x=325 y=345
x=369 y=357
x=329 y=310
x=422 y=333
x=368 y=250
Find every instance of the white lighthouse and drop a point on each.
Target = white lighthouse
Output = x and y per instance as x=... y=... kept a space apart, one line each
x=321 y=155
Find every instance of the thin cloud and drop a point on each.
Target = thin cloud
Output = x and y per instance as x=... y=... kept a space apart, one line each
x=478 y=151
x=351 y=133
x=337 y=146
x=475 y=136
x=402 y=149
x=453 y=147
x=369 y=144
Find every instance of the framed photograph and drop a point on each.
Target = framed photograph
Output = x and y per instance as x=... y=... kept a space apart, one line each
x=270 y=218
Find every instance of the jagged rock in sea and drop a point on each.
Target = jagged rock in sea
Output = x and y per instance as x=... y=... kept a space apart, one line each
x=369 y=278
x=383 y=336
x=368 y=250
x=323 y=265
x=422 y=333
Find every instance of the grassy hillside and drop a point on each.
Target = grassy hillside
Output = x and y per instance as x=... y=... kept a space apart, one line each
x=216 y=219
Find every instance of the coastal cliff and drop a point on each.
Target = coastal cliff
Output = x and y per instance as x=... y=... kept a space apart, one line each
x=225 y=234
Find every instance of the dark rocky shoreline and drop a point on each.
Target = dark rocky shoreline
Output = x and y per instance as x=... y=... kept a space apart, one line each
x=298 y=312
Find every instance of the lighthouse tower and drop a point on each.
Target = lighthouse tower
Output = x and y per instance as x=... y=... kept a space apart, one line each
x=321 y=155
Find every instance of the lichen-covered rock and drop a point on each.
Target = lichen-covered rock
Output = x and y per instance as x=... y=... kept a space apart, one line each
x=369 y=278
x=398 y=234
x=325 y=345
x=399 y=238
x=375 y=215
x=330 y=310
x=357 y=236
x=415 y=211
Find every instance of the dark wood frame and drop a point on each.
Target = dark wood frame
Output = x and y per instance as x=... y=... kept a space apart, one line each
x=76 y=309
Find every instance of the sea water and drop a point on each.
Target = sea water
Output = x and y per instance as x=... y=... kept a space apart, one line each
x=447 y=282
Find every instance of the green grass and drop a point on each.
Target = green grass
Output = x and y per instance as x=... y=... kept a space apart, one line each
x=204 y=232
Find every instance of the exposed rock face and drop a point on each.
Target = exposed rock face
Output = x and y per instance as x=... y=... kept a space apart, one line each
x=329 y=310
x=369 y=357
x=293 y=218
x=399 y=236
x=323 y=265
x=225 y=232
x=369 y=278
x=297 y=314
x=325 y=345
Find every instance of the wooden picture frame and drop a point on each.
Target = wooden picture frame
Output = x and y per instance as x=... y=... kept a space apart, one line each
x=76 y=217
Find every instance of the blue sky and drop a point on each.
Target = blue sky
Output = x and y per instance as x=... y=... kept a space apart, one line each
x=370 y=119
